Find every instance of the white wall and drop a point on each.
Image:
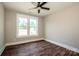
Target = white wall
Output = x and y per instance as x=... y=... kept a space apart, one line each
x=63 y=26
x=11 y=27
x=2 y=42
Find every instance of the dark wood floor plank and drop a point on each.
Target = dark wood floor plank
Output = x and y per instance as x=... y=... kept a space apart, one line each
x=38 y=48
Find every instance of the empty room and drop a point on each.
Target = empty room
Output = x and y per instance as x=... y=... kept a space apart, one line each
x=39 y=28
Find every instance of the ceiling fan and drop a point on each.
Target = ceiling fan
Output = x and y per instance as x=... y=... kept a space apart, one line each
x=39 y=6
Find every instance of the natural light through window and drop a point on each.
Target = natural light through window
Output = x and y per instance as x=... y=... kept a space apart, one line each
x=22 y=26
x=33 y=26
x=27 y=25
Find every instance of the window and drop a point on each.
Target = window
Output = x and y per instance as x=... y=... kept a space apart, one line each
x=27 y=25
x=33 y=26
x=22 y=26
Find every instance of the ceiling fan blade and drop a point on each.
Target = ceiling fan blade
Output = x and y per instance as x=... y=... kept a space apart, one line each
x=42 y=4
x=38 y=4
x=33 y=8
x=45 y=8
x=38 y=11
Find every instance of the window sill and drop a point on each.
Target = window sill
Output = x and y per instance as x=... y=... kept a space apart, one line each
x=27 y=36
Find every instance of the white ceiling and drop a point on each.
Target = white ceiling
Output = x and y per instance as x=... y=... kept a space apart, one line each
x=26 y=6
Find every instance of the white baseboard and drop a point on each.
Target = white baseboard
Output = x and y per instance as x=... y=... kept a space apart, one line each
x=2 y=49
x=21 y=42
x=64 y=45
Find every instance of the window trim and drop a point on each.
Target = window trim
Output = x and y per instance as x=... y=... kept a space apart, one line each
x=28 y=29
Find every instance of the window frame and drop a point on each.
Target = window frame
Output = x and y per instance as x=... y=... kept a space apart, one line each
x=17 y=16
x=28 y=26
x=37 y=26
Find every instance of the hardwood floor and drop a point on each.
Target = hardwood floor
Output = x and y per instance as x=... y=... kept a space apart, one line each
x=39 y=48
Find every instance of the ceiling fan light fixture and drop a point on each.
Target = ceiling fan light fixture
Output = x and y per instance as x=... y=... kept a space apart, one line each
x=38 y=11
x=39 y=6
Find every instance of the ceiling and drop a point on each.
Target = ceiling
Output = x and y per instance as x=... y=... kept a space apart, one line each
x=25 y=7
